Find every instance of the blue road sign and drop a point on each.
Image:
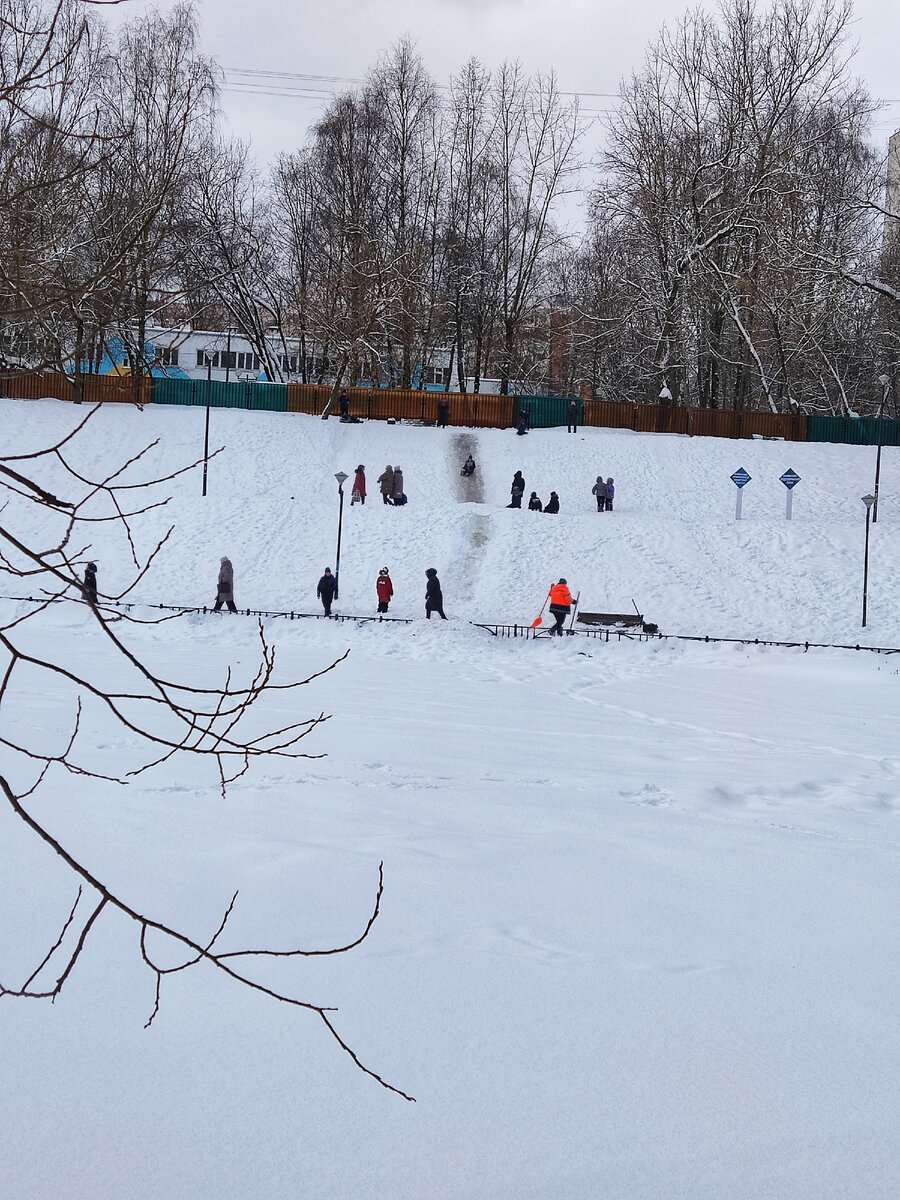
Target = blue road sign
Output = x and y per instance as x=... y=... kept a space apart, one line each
x=740 y=477
x=790 y=479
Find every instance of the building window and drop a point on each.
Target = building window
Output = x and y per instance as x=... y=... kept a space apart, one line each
x=167 y=356
x=210 y=357
x=227 y=359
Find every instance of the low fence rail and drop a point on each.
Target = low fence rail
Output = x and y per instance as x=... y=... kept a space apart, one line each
x=497 y=629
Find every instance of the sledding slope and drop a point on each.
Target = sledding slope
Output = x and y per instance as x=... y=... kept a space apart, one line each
x=672 y=543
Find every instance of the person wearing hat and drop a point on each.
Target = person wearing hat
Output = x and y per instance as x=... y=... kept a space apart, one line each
x=359 y=486
x=560 y=605
x=225 y=586
x=386 y=482
x=384 y=588
x=434 y=597
x=89 y=587
x=327 y=590
x=552 y=505
x=397 y=495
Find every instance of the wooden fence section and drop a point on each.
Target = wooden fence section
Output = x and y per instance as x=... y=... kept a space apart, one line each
x=95 y=389
x=696 y=422
x=379 y=404
x=482 y=410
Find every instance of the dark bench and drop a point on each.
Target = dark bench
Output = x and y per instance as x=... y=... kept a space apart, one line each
x=625 y=620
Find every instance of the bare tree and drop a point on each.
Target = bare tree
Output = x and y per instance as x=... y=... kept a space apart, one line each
x=165 y=718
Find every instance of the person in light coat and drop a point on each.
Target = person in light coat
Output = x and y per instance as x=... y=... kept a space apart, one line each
x=386 y=483
x=599 y=490
x=225 y=586
x=397 y=490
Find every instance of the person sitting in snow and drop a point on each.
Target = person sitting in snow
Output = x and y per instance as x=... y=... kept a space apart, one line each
x=468 y=467
x=552 y=505
x=534 y=503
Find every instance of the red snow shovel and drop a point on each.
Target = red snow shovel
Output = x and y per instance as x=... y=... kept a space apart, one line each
x=540 y=617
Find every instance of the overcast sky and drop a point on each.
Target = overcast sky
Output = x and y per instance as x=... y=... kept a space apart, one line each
x=591 y=44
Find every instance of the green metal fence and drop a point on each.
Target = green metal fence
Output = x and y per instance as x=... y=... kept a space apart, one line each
x=269 y=397
x=546 y=412
x=853 y=431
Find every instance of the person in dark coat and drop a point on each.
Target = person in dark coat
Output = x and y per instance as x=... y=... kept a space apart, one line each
x=434 y=597
x=386 y=483
x=599 y=490
x=359 y=486
x=468 y=467
x=517 y=490
x=573 y=416
x=384 y=589
x=610 y=492
x=443 y=413
x=560 y=605
x=522 y=426
x=89 y=587
x=327 y=590
x=534 y=503
x=225 y=586
x=344 y=405
x=552 y=505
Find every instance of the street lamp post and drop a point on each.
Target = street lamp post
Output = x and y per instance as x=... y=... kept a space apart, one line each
x=885 y=384
x=340 y=476
x=868 y=501
x=206 y=433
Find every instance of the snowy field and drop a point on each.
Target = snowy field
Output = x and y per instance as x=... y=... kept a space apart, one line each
x=639 y=935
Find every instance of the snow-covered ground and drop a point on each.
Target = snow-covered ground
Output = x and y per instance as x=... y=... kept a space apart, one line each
x=639 y=935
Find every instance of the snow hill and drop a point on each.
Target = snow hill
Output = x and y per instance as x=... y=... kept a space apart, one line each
x=672 y=543
x=638 y=937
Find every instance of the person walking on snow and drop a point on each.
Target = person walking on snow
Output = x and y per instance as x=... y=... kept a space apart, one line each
x=225 y=586
x=434 y=597
x=89 y=587
x=359 y=486
x=384 y=588
x=386 y=483
x=517 y=490
x=552 y=505
x=534 y=503
x=599 y=490
x=560 y=605
x=573 y=416
x=327 y=590
x=397 y=495
x=610 y=492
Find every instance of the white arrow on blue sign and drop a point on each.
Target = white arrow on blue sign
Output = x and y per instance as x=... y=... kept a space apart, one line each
x=790 y=479
x=740 y=477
